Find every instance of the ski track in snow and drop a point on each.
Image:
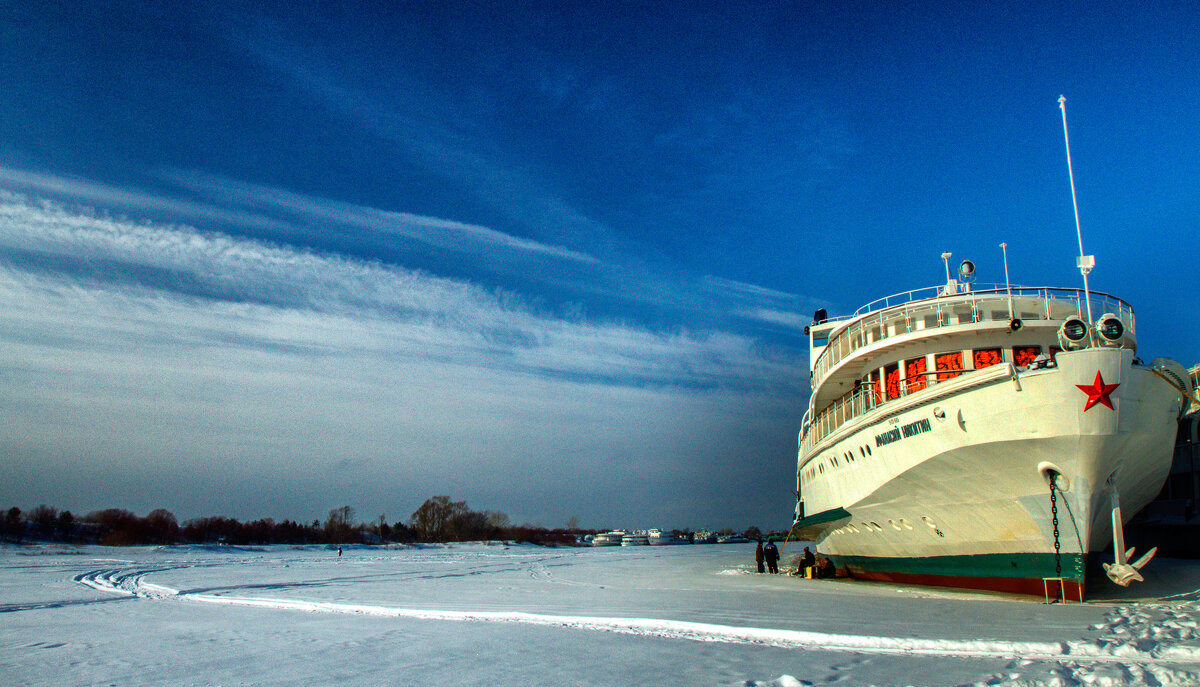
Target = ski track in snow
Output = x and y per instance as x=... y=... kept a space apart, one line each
x=1138 y=644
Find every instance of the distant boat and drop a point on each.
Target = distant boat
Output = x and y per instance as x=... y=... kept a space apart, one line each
x=659 y=538
x=732 y=539
x=635 y=539
x=704 y=537
x=612 y=538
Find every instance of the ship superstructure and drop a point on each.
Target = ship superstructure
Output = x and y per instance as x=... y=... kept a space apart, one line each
x=984 y=437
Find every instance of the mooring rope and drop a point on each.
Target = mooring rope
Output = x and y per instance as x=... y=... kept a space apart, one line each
x=1178 y=388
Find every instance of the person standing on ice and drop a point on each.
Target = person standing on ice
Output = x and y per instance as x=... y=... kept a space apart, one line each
x=759 y=556
x=772 y=555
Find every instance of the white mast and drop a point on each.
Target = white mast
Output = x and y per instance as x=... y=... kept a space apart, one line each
x=1085 y=262
x=1007 y=284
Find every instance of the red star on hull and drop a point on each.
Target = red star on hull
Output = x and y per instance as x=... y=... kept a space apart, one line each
x=1097 y=392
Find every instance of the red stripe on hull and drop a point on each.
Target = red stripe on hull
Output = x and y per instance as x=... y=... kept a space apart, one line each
x=1072 y=590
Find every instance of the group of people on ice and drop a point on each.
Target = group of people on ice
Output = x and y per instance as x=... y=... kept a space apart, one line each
x=767 y=558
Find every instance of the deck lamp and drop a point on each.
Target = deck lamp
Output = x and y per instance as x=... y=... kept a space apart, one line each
x=1111 y=329
x=1073 y=334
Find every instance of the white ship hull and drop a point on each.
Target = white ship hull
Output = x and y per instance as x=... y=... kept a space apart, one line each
x=950 y=484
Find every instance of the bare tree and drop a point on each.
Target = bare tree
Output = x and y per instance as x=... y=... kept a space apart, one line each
x=433 y=519
x=339 y=526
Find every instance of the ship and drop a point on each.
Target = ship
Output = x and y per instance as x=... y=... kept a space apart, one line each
x=610 y=538
x=635 y=539
x=985 y=437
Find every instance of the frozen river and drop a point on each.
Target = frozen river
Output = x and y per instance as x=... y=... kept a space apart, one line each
x=478 y=614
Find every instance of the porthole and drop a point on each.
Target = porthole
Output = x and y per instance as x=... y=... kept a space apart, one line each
x=868 y=449
x=895 y=525
x=876 y=526
x=905 y=524
x=852 y=528
x=927 y=521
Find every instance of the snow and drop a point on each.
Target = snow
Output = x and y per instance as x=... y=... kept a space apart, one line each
x=490 y=613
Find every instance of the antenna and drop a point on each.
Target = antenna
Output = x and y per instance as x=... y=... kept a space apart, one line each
x=1085 y=262
x=1007 y=284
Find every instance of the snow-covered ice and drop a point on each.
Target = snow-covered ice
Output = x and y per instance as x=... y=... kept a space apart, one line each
x=495 y=614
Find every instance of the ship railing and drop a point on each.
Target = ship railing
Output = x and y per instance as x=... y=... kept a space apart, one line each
x=869 y=397
x=930 y=308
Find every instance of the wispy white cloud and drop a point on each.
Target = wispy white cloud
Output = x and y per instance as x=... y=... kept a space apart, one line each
x=290 y=364
x=109 y=196
x=286 y=215
x=254 y=206
x=468 y=323
x=761 y=304
x=426 y=123
x=443 y=233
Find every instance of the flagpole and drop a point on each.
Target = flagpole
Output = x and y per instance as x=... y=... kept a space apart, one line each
x=1085 y=262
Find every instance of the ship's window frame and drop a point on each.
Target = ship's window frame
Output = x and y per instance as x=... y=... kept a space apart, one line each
x=977 y=356
x=887 y=383
x=941 y=362
x=1023 y=356
x=914 y=373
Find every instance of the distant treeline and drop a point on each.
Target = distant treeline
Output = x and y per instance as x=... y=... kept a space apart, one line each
x=437 y=520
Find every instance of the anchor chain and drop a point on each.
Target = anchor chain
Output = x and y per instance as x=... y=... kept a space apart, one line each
x=1054 y=521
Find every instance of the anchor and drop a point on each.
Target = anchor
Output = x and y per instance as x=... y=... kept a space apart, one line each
x=1121 y=571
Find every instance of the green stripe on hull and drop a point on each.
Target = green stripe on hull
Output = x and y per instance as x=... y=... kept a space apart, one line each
x=1018 y=572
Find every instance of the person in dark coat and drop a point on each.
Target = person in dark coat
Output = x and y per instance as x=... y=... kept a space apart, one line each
x=759 y=557
x=772 y=555
x=808 y=560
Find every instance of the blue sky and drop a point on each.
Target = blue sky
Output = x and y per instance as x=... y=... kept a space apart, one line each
x=550 y=258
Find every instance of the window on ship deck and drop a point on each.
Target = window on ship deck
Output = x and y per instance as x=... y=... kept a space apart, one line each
x=1023 y=356
x=986 y=357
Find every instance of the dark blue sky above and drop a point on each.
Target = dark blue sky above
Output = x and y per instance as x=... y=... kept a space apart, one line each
x=636 y=206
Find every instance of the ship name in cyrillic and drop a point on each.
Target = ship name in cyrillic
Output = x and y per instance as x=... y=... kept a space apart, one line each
x=903 y=432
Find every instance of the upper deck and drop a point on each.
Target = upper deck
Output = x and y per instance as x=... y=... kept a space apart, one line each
x=901 y=336
x=930 y=308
